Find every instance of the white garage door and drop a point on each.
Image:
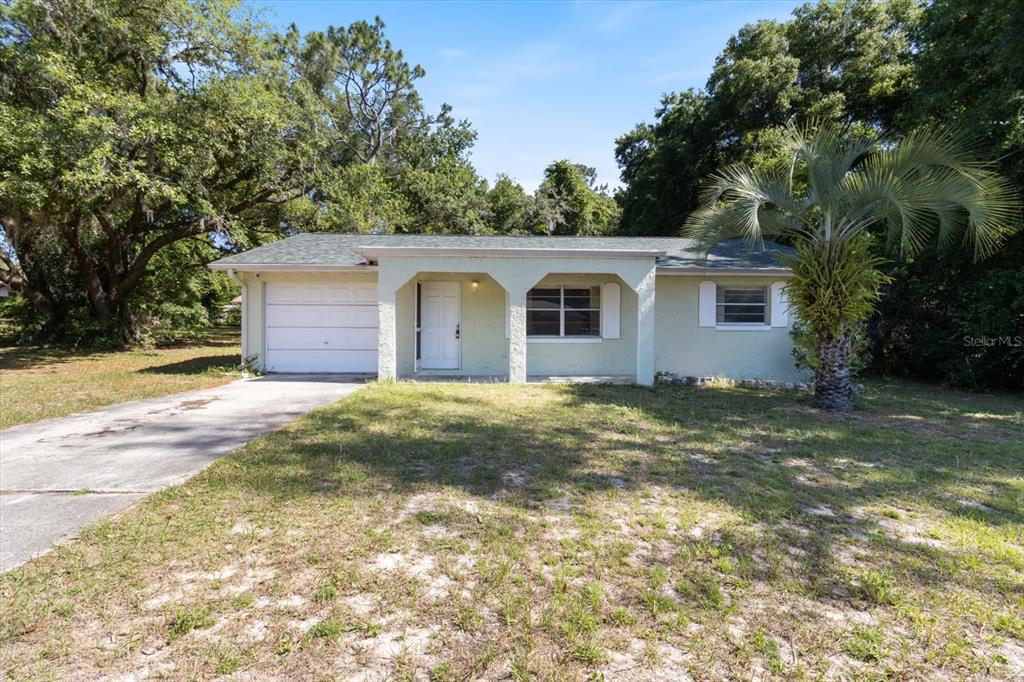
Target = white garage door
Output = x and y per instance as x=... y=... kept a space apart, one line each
x=322 y=327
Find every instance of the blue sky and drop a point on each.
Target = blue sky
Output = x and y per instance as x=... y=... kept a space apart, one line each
x=542 y=81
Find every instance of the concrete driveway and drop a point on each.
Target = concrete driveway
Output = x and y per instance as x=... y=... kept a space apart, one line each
x=59 y=475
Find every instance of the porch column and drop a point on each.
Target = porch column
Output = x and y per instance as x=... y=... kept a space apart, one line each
x=645 y=330
x=387 y=350
x=517 y=336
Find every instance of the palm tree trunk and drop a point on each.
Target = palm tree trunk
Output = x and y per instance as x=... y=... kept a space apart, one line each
x=833 y=386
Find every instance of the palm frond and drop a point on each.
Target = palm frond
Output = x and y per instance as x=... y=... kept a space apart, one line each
x=929 y=184
x=743 y=202
x=825 y=154
x=933 y=187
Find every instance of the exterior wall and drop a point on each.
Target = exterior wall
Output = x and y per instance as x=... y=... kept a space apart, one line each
x=587 y=358
x=682 y=347
x=253 y=304
x=484 y=349
x=516 y=276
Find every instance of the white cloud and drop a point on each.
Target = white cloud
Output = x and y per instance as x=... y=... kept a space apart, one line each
x=454 y=53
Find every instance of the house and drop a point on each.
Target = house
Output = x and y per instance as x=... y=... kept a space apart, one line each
x=5 y=290
x=420 y=305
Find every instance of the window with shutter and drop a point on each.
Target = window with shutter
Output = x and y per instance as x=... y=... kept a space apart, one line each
x=564 y=312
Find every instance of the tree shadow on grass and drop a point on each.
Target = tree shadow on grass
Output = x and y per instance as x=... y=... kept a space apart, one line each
x=808 y=483
x=35 y=357
x=794 y=483
x=44 y=357
x=198 y=365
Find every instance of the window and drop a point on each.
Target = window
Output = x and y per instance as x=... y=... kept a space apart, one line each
x=564 y=311
x=742 y=305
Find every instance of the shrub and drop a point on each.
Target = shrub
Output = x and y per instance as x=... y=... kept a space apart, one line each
x=948 y=320
x=182 y=316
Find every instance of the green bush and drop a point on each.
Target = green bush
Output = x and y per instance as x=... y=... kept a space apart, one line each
x=20 y=322
x=948 y=320
x=182 y=316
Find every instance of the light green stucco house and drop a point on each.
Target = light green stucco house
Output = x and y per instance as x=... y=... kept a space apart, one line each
x=403 y=306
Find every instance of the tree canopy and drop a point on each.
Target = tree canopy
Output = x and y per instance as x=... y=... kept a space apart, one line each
x=843 y=61
x=137 y=135
x=126 y=128
x=140 y=139
x=827 y=195
x=894 y=65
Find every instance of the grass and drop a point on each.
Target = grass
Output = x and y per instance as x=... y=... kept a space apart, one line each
x=43 y=382
x=457 y=532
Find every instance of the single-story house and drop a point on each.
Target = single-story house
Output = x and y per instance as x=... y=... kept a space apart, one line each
x=405 y=306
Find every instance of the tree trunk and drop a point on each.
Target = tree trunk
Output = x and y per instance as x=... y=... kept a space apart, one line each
x=833 y=386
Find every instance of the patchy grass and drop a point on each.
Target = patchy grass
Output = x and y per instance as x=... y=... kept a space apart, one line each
x=453 y=532
x=39 y=383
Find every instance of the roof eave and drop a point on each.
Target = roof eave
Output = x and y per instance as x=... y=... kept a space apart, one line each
x=374 y=252
x=287 y=267
x=729 y=271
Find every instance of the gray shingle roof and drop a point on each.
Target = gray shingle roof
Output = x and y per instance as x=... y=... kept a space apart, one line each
x=329 y=249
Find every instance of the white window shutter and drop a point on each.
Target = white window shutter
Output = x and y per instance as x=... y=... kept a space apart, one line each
x=780 y=305
x=610 y=306
x=707 y=301
x=508 y=313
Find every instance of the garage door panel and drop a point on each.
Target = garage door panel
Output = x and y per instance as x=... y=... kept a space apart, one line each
x=280 y=315
x=366 y=293
x=326 y=327
x=310 y=293
x=321 y=338
x=324 y=294
x=321 y=361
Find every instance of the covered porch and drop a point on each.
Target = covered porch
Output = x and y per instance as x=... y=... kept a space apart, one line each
x=473 y=315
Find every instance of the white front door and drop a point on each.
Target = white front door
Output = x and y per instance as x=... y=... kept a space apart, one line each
x=439 y=325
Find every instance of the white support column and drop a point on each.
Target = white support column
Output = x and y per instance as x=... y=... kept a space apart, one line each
x=645 y=330
x=245 y=314
x=517 y=336
x=387 y=349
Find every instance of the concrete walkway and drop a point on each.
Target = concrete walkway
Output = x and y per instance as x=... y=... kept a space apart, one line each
x=59 y=475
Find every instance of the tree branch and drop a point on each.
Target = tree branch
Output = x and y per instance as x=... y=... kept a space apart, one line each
x=93 y=286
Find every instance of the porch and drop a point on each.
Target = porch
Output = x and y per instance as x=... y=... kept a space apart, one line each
x=494 y=317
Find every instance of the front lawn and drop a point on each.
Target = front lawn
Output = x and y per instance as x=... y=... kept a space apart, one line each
x=486 y=531
x=39 y=383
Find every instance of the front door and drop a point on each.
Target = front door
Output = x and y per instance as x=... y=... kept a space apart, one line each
x=439 y=325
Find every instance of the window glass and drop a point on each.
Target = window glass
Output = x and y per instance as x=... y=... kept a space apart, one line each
x=543 y=323
x=741 y=305
x=539 y=299
x=582 y=323
x=563 y=311
x=583 y=299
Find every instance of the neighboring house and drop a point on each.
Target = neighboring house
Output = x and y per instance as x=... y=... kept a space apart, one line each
x=5 y=290
x=419 y=305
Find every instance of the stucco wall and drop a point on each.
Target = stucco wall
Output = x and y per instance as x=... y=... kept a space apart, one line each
x=253 y=296
x=516 y=276
x=683 y=347
x=573 y=358
x=484 y=347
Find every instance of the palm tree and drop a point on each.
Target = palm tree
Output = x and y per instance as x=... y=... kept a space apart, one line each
x=835 y=194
